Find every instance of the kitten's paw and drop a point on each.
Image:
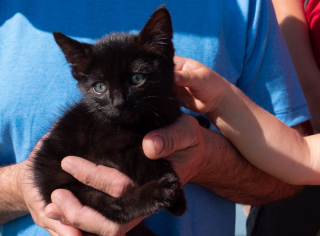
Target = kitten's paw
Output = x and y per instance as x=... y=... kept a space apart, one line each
x=179 y=206
x=169 y=194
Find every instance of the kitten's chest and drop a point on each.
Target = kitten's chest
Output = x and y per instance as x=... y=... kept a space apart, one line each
x=122 y=150
x=112 y=146
x=109 y=144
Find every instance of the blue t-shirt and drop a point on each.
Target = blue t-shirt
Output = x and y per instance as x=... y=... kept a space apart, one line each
x=239 y=39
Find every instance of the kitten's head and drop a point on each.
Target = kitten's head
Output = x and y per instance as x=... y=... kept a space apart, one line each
x=126 y=77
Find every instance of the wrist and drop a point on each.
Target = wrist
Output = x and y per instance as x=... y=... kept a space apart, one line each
x=212 y=163
x=12 y=204
x=223 y=103
x=18 y=179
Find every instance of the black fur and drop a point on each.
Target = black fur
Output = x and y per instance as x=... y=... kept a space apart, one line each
x=108 y=128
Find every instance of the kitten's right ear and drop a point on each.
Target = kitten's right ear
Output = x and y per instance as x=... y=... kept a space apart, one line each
x=76 y=53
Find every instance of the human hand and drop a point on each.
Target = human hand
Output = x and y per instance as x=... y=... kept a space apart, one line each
x=35 y=203
x=199 y=88
x=66 y=207
x=185 y=148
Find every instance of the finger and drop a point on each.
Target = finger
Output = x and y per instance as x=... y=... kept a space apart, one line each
x=57 y=228
x=53 y=212
x=183 y=63
x=64 y=230
x=195 y=80
x=162 y=142
x=105 y=179
x=179 y=62
x=54 y=226
x=86 y=218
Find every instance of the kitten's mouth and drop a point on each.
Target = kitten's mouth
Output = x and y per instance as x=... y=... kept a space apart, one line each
x=127 y=116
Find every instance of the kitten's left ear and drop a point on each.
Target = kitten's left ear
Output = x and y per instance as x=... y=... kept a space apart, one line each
x=157 y=33
x=76 y=53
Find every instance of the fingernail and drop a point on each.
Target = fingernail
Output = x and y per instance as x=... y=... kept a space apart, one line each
x=57 y=202
x=158 y=144
x=66 y=166
x=54 y=216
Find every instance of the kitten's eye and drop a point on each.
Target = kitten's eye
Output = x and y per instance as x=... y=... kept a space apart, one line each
x=100 y=87
x=137 y=79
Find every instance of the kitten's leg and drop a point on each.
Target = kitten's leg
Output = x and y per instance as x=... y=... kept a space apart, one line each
x=146 y=199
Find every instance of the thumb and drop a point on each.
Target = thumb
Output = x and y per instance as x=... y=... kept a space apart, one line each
x=162 y=142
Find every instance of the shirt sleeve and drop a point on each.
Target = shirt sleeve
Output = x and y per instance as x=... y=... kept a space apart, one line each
x=268 y=76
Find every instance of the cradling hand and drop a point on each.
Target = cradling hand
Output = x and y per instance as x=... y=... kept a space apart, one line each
x=35 y=204
x=67 y=210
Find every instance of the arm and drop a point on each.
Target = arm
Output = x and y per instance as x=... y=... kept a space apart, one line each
x=12 y=205
x=263 y=139
x=206 y=158
x=294 y=28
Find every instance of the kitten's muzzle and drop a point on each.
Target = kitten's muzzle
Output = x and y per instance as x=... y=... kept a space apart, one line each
x=118 y=99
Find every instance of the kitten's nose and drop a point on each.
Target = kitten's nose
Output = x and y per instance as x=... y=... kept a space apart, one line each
x=118 y=99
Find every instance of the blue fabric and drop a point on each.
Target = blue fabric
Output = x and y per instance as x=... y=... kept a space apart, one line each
x=239 y=39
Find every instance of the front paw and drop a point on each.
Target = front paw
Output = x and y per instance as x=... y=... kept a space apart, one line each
x=169 y=194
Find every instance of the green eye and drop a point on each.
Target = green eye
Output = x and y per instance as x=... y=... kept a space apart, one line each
x=137 y=79
x=100 y=87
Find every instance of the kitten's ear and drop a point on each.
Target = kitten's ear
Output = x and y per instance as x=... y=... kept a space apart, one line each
x=76 y=53
x=157 y=33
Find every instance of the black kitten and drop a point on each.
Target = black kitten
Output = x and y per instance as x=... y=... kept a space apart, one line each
x=127 y=83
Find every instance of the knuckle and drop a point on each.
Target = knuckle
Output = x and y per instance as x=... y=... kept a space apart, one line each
x=171 y=140
x=86 y=178
x=74 y=219
x=120 y=185
x=104 y=182
x=105 y=186
x=112 y=182
x=187 y=75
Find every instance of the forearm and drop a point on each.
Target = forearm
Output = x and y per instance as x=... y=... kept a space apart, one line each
x=294 y=28
x=228 y=174
x=261 y=138
x=12 y=205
